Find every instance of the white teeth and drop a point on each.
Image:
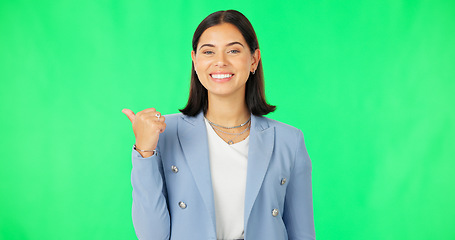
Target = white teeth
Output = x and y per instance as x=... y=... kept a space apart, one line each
x=219 y=76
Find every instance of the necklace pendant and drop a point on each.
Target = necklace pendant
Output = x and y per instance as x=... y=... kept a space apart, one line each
x=230 y=142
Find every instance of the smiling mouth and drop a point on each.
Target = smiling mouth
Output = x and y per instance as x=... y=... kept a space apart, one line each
x=221 y=76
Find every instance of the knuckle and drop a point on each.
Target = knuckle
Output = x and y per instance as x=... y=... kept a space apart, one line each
x=142 y=113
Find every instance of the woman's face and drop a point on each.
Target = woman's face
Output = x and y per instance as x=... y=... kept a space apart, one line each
x=223 y=60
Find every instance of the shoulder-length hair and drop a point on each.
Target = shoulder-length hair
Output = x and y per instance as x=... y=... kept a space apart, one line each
x=254 y=92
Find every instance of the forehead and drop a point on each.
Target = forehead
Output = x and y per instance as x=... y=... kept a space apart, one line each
x=221 y=34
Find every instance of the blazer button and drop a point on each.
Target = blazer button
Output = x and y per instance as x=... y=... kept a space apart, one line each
x=275 y=212
x=174 y=169
x=283 y=181
x=182 y=205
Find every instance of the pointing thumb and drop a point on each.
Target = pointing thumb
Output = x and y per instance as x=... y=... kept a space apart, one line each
x=130 y=114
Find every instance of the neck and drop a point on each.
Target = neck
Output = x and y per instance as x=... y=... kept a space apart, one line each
x=227 y=110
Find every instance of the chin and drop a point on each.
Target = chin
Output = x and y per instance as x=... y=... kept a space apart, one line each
x=226 y=92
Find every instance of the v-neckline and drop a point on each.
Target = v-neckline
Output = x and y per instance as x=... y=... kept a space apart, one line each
x=207 y=124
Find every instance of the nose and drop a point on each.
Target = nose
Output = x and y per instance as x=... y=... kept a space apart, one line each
x=221 y=60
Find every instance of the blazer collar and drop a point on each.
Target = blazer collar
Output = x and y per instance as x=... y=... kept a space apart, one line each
x=262 y=138
x=192 y=135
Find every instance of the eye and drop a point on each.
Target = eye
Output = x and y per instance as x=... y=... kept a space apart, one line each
x=207 y=52
x=234 y=51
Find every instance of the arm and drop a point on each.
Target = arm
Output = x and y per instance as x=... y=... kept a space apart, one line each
x=150 y=213
x=298 y=205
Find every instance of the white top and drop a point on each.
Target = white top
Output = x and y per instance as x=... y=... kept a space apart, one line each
x=228 y=165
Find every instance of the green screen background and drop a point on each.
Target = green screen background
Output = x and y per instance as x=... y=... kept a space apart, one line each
x=370 y=83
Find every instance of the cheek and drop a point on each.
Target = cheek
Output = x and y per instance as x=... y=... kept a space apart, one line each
x=245 y=63
x=200 y=70
x=200 y=65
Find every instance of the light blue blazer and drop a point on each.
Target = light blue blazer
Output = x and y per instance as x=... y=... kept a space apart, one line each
x=173 y=195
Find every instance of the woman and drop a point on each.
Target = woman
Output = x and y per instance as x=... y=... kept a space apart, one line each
x=219 y=169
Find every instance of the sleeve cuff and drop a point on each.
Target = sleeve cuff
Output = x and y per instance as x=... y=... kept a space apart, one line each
x=137 y=155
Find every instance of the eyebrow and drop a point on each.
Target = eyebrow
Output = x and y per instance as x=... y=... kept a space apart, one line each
x=227 y=45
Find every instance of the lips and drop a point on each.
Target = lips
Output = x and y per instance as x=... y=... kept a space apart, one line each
x=221 y=77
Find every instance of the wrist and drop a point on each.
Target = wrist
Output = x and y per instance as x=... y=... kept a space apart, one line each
x=145 y=151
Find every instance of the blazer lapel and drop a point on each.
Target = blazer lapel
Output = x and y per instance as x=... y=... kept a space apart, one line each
x=262 y=138
x=192 y=135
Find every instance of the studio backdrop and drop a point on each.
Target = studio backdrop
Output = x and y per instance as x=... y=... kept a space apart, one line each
x=370 y=84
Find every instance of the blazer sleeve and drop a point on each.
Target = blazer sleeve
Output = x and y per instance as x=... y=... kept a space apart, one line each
x=150 y=212
x=298 y=205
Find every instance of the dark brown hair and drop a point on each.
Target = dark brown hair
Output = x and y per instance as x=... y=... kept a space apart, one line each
x=254 y=92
